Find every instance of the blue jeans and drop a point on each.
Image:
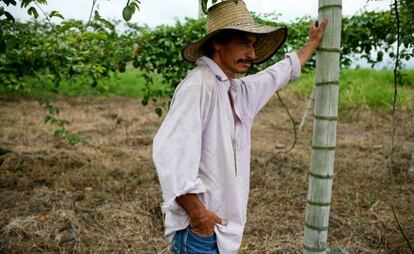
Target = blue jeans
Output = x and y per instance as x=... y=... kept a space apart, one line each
x=187 y=242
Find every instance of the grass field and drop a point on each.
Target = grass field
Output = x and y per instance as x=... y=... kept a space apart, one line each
x=365 y=87
x=358 y=87
x=103 y=196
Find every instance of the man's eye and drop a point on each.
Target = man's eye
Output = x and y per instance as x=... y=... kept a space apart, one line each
x=244 y=42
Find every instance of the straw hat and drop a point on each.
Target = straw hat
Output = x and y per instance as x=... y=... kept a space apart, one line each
x=235 y=16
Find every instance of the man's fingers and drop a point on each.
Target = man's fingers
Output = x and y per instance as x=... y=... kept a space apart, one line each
x=218 y=220
x=221 y=221
x=324 y=23
x=320 y=25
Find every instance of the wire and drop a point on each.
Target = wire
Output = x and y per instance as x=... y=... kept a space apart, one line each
x=396 y=74
x=293 y=125
x=294 y=131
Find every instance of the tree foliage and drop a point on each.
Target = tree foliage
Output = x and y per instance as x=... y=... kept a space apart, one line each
x=72 y=48
x=159 y=51
x=366 y=35
x=38 y=50
x=50 y=52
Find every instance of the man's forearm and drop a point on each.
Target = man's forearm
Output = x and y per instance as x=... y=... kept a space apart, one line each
x=306 y=52
x=192 y=205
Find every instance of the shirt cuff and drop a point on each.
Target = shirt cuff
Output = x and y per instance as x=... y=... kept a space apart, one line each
x=296 y=68
x=195 y=187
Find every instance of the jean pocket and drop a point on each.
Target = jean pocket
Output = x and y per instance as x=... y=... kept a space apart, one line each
x=201 y=244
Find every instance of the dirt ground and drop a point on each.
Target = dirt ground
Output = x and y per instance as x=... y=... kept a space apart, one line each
x=104 y=196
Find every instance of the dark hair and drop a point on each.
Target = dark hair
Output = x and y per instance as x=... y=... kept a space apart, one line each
x=221 y=37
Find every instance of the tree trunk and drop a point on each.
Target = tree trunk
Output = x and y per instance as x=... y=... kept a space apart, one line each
x=324 y=130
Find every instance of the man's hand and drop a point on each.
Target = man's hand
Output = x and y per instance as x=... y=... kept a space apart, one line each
x=315 y=37
x=204 y=223
x=202 y=220
x=316 y=32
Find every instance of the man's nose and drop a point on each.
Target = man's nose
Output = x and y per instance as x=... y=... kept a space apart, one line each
x=251 y=53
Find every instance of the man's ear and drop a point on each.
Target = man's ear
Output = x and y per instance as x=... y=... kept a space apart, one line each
x=217 y=45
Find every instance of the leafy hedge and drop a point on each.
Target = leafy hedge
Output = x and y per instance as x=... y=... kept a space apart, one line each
x=61 y=52
x=52 y=53
x=159 y=52
x=159 y=49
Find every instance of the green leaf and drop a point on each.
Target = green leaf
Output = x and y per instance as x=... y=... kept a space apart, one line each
x=135 y=5
x=204 y=6
x=56 y=14
x=3 y=46
x=48 y=118
x=13 y=2
x=97 y=15
x=33 y=12
x=105 y=22
x=59 y=133
x=127 y=13
x=144 y=101
x=25 y=3
x=94 y=84
x=158 y=111
x=380 y=56
x=9 y=16
x=390 y=38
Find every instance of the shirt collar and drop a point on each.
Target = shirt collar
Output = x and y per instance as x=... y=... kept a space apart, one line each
x=228 y=84
x=214 y=67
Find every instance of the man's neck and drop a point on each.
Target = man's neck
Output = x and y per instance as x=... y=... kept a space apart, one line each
x=222 y=66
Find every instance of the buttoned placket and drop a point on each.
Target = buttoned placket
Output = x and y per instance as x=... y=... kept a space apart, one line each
x=232 y=93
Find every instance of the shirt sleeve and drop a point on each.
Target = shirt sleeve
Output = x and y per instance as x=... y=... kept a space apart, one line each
x=177 y=147
x=257 y=89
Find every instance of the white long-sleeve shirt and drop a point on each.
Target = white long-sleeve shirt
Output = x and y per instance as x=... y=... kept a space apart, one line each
x=203 y=146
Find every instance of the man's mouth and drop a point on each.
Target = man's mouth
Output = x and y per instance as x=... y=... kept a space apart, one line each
x=245 y=61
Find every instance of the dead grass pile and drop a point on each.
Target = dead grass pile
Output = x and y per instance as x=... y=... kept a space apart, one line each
x=104 y=196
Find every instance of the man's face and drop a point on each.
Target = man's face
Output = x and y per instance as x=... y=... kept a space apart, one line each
x=236 y=55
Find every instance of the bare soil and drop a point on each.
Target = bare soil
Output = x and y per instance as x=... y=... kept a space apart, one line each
x=104 y=196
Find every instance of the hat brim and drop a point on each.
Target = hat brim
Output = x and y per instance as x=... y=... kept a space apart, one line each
x=269 y=40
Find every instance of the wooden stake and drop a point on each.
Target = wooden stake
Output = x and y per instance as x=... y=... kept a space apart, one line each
x=324 y=130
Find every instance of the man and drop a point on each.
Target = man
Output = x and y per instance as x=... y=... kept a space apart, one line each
x=202 y=149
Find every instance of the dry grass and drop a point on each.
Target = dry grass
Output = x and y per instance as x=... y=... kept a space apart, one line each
x=103 y=197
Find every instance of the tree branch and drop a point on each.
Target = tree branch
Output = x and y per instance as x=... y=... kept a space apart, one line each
x=45 y=14
x=90 y=14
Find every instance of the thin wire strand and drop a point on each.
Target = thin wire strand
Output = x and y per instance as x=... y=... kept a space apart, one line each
x=294 y=131
x=293 y=125
x=394 y=104
x=401 y=230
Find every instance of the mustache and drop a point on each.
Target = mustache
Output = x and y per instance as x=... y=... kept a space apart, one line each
x=243 y=60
